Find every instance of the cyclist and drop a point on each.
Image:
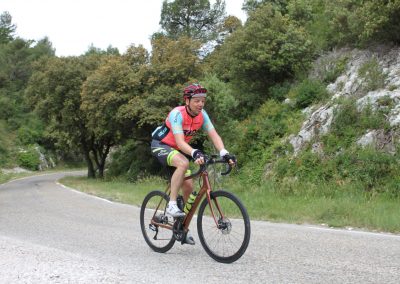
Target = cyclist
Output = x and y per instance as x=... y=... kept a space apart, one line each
x=170 y=143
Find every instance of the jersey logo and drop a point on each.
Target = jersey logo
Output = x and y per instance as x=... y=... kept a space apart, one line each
x=189 y=132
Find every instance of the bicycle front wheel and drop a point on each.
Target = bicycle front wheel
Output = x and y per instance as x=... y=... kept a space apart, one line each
x=154 y=222
x=225 y=238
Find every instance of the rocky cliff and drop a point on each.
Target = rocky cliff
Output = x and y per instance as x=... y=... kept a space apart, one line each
x=370 y=77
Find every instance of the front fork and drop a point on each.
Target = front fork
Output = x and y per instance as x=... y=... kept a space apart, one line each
x=213 y=203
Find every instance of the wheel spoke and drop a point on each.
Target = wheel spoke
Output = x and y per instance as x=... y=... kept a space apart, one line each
x=160 y=239
x=229 y=240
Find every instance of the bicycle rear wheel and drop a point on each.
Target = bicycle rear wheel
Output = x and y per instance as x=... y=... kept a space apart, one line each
x=152 y=218
x=227 y=239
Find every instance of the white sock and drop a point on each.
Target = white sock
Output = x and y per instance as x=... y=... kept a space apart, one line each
x=172 y=203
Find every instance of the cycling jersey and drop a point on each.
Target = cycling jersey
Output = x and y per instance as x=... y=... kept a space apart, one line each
x=180 y=121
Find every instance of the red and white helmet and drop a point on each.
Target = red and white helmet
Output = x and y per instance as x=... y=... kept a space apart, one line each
x=194 y=91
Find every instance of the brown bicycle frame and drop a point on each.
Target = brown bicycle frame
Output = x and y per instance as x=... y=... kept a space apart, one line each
x=205 y=189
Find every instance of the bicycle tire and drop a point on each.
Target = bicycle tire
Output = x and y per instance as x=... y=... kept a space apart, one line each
x=209 y=233
x=149 y=205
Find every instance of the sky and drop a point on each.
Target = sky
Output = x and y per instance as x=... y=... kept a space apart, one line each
x=73 y=25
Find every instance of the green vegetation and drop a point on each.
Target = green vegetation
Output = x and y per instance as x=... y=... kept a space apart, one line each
x=29 y=159
x=373 y=75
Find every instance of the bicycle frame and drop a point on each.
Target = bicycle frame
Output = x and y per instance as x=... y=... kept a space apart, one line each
x=204 y=190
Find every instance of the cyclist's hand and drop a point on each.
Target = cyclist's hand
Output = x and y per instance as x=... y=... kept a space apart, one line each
x=198 y=157
x=231 y=159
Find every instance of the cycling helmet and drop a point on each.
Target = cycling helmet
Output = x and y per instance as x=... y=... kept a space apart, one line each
x=194 y=91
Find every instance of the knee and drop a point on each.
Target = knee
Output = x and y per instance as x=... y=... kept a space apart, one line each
x=183 y=164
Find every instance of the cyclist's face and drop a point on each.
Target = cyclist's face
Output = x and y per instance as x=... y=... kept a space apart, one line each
x=196 y=104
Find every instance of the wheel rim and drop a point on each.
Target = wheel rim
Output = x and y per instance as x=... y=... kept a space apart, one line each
x=226 y=239
x=157 y=237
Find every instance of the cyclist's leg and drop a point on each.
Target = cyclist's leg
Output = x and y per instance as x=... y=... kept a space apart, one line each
x=181 y=163
x=187 y=188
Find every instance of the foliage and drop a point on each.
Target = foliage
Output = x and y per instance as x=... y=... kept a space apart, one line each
x=220 y=100
x=92 y=50
x=103 y=93
x=350 y=123
x=7 y=29
x=54 y=90
x=354 y=22
x=28 y=158
x=31 y=131
x=159 y=83
x=329 y=67
x=6 y=141
x=194 y=19
x=281 y=49
x=372 y=75
x=368 y=167
x=379 y=20
x=132 y=160
x=250 y=6
x=308 y=92
x=255 y=137
x=279 y=92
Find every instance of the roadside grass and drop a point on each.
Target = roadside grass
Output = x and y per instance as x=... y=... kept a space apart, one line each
x=117 y=190
x=6 y=177
x=345 y=207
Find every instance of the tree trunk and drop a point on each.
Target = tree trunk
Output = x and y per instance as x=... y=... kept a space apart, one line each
x=91 y=171
x=102 y=163
x=101 y=171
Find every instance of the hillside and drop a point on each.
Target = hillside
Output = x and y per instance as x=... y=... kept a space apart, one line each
x=370 y=79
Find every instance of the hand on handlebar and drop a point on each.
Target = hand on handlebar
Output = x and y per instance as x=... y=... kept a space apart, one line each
x=198 y=157
x=231 y=159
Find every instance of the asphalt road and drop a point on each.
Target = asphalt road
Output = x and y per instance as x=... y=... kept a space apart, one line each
x=52 y=234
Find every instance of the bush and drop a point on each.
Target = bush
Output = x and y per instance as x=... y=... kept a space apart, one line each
x=373 y=170
x=132 y=161
x=279 y=92
x=372 y=74
x=29 y=158
x=349 y=123
x=336 y=70
x=4 y=156
x=308 y=92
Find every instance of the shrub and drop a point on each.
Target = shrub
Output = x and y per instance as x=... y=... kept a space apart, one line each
x=132 y=161
x=279 y=92
x=336 y=69
x=372 y=74
x=29 y=158
x=308 y=92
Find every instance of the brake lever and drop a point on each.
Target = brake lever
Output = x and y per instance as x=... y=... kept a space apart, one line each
x=229 y=169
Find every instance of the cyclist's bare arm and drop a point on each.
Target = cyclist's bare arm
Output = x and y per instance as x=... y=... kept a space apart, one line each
x=182 y=145
x=216 y=139
x=185 y=147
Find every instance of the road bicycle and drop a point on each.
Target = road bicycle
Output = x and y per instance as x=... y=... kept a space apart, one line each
x=223 y=224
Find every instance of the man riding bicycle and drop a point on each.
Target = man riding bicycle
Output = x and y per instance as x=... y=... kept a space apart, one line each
x=170 y=144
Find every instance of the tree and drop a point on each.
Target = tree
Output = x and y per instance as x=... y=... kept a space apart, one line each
x=380 y=21
x=159 y=82
x=103 y=93
x=136 y=56
x=54 y=90
x=192 y=18
x=96 y=50
x=250 y=6
x=7 y=29
x=269 y=49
